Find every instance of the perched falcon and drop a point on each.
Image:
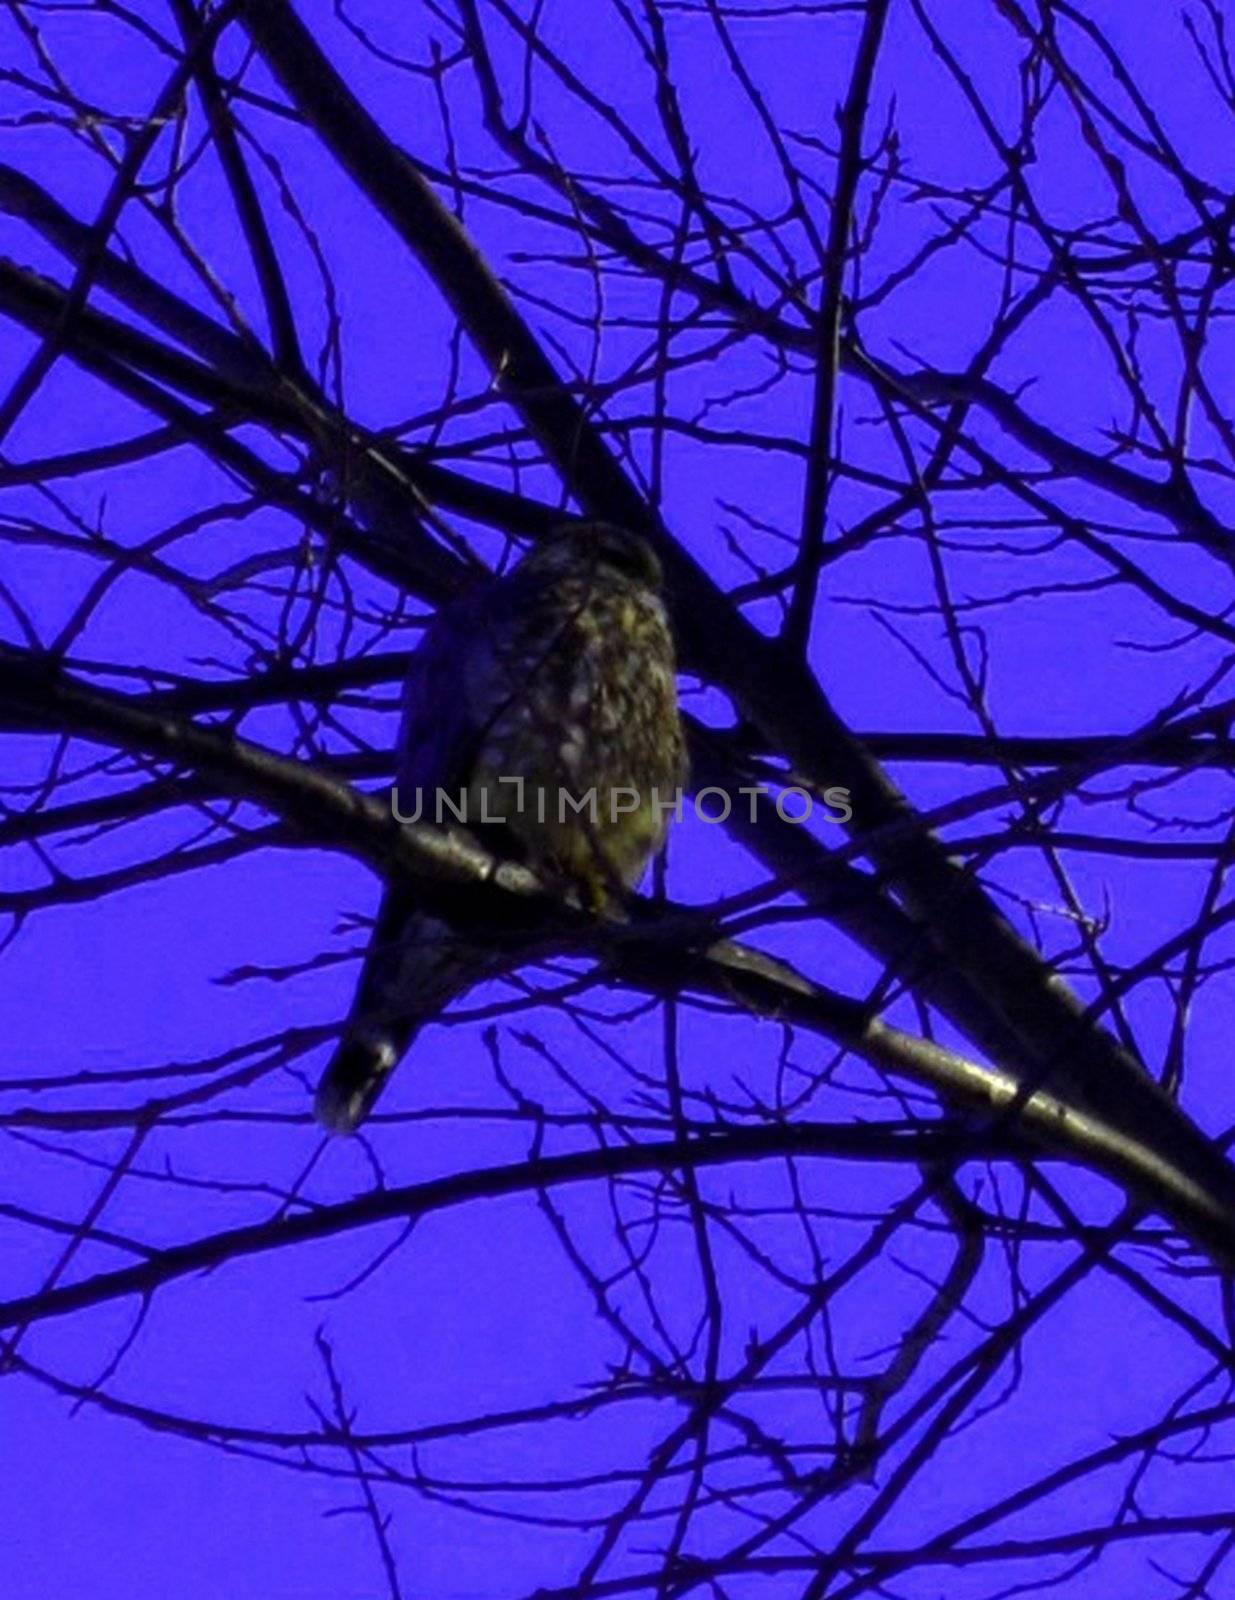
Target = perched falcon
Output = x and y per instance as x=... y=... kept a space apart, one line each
x=540 y=687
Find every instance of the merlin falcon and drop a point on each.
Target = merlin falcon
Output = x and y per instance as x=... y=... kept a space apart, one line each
x=523 y=698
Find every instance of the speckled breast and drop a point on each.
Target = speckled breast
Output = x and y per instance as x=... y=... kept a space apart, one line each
x=584 y=759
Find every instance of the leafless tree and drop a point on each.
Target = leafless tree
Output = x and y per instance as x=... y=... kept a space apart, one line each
x=901 y=330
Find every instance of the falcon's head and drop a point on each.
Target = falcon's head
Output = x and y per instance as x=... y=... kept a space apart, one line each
x=584 y=546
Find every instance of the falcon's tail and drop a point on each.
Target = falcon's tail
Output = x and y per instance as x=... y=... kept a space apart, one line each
x=414 y=968
x=356 y=1075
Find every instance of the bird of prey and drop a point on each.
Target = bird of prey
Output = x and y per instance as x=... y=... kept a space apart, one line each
x=538 y=688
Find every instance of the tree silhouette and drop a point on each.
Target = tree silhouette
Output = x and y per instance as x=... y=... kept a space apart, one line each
x=853 y=1208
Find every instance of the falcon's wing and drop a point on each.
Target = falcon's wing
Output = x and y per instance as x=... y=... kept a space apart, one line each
x=415 y=964
x=438 y=733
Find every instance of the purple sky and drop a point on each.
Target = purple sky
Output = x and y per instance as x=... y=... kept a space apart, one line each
x=481 y=1310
